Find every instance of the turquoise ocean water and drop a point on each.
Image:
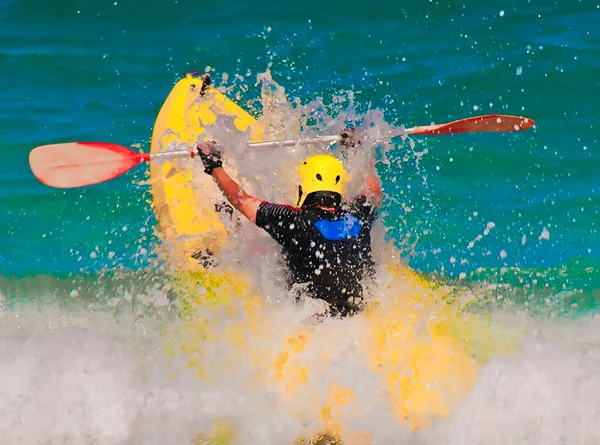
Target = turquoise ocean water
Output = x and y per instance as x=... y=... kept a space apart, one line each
x=516 y=214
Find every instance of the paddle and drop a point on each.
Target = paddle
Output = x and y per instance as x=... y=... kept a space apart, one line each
x=486 y=123
x=78 y=164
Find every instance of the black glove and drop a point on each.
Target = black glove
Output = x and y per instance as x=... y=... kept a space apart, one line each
x=211 y=156
x=347 y=136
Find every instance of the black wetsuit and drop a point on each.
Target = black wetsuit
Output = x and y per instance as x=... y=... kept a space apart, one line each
x=329 y=251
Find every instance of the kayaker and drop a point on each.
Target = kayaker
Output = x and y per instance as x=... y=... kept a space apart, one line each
x=326 y=242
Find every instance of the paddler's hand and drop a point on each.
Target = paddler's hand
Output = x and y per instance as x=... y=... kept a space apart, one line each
x=348 y=137
x=210 y=154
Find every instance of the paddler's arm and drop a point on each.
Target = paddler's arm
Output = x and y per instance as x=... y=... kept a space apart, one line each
x=372 y=188
x=246 y=204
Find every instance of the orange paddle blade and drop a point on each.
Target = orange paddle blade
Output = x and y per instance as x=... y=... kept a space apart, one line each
x=487 y=123
x=77 y=164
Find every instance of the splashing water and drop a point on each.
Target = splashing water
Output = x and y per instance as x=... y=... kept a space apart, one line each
x=231 y=359
x=80 y=377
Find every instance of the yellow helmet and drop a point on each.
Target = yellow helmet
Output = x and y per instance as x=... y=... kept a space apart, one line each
x=321 y=173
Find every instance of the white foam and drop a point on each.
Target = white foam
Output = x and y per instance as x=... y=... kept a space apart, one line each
x=81 y=378
x=545 y=394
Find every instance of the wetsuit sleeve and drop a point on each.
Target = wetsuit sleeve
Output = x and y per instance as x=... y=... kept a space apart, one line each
x=280 y=221
x=364 y=209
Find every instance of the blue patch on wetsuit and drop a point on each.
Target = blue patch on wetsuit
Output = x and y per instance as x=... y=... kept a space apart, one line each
x=349 y=227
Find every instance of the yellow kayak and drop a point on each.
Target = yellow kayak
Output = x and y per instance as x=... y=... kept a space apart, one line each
x=425 y=356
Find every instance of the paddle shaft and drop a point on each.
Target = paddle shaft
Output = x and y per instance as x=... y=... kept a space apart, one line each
x=267 y=144
x=492 y=122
